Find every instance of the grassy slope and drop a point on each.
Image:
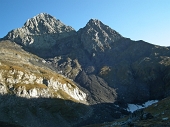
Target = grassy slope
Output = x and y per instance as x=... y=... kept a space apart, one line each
x=13 y=57
x=40 y=111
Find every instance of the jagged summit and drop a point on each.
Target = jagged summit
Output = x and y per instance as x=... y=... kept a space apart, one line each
x=44 y=23
x=94 y=21
x=43 y=32
x=38 y=29
x=100 y=36
x=41 y=15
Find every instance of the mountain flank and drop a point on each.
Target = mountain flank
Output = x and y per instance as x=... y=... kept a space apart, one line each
x=108 y=60
x=94 y=66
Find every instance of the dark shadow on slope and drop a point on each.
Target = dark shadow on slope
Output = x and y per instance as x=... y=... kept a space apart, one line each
x=136 y=67
x=6 y=124
x=54 y=112
x=104 y=112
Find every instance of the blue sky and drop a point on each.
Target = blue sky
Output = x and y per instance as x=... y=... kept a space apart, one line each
x=147 y=20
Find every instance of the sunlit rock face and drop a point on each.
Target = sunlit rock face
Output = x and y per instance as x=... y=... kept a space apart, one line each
x=40 y=32
x=30 y=86
x=27 y=76
x=3 y=89
x=98 y=37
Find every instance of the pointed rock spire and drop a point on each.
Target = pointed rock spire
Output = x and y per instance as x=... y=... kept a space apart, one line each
x=45 y=23
x=97 y=36
x=37 y=30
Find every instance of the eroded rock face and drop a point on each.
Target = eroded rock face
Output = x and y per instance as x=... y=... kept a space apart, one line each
x=40 y=32
x=97 y=37
x=27 y=76
x=68 y=67
x=99 y=91
x=30 y=86
x=3 y=89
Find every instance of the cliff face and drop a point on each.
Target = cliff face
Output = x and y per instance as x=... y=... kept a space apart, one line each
x=40 y=33
x=97 y=37
x=19 y=76
x=31 y=94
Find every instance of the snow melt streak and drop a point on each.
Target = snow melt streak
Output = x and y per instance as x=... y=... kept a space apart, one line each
x=134 y=107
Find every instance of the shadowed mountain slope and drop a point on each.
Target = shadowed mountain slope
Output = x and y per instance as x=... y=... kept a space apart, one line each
x=32 y=94
x=156 y=115
x=25 y=74
x=99 y=59
x=96 y=62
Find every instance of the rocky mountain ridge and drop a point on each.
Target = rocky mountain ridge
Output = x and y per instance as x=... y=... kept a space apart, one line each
x=44 y=25
x=101 y=36
x=109 y=68
x=99 y=53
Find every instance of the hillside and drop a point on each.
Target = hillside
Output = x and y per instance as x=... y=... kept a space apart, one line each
x=95 y=65
x=28 y=89
x=22 y=72
x=156 y=115
x=99 y=59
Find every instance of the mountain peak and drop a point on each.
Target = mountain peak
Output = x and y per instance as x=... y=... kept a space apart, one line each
x=42 y=24
x=39 y=18
x=94 y=22
x=43 y=15
x=100 y=36
x=45 y=23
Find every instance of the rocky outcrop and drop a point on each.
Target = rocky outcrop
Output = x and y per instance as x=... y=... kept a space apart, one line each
x=40 y=32
x=33 y=81
x=70 y=68
x=31 y=86
x=97 y=37
x=99 y=91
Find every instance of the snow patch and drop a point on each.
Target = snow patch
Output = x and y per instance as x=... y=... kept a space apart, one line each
x=134 y=107
x=148 y=103
x=117 y=106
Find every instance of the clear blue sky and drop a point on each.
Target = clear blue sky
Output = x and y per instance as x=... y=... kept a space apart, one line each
x=147 y=20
